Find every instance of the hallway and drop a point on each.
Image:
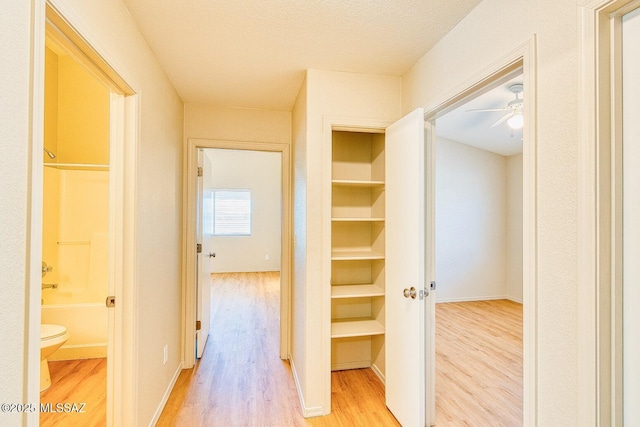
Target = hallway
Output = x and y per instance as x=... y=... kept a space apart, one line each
x=241 y=381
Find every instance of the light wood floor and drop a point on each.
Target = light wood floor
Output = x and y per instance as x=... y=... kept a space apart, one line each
x=241 y=381
x=479 y=364
x=77 y=381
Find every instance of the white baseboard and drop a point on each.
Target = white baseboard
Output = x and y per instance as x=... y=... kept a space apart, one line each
x=479 y=298
x=316 y=411
x=80 y=351
x=165 y=397
x=378 y=373
x=358 y=364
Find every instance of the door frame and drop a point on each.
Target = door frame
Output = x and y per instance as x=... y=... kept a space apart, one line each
x=523 y=57
x=600 y=209
x=189 y=296
x=124 y=130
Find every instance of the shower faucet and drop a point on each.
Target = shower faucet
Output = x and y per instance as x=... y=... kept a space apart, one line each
x=46 y=268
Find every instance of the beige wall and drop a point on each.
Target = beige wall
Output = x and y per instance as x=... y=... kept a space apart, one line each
x=158 y=202
x=492 y=30
x=236 y=124
x=631 y=215
x=299 y=322
x=83 y=115
x=158 y=194
x=326 y=94
x=15 y=45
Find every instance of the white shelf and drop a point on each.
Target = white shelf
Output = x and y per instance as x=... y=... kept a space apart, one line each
x=355 y=255
x=357 y=183
x=356 y=219
x=345 y=328
x=77 y=166
x=356 y=291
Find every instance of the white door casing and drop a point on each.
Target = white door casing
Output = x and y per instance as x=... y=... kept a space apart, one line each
x=405 y=235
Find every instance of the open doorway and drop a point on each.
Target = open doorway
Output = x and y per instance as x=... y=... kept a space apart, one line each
x=241 y=238
x=250 y=310
x=84 y=141
x=75 y=241
x=232 y=175
x=479 y=257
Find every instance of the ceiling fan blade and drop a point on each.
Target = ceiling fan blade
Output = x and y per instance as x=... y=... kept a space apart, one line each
x=488 y=109
x=502 y=119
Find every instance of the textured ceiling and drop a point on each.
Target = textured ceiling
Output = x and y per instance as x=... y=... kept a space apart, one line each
x=253 y=53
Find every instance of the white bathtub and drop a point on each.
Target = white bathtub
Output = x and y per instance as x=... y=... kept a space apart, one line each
x=87 y=326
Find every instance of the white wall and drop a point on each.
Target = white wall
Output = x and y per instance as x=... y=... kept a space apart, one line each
x=491 y=31
x=260 y=173
x=158 y=195
x=631 y=215
x=324 y=93
x=471 y=222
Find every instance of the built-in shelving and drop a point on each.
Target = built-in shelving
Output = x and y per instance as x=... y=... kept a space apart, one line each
x=354 y=219
x=77 y=166
x=358 y=327
x=357 y=291
x=357 y=250
x=355 y=255
x=357 y=183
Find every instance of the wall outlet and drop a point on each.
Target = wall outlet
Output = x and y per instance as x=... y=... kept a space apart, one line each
x=267 y=257
x=165 y=355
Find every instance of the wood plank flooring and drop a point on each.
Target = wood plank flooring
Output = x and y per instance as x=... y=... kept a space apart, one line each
x=76 y=381
x=479 y=364
x=241 y=381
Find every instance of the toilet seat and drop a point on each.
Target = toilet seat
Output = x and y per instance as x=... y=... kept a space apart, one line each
x=49 y=331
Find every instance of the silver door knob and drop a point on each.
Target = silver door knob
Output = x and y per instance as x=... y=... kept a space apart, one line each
x=410 y=293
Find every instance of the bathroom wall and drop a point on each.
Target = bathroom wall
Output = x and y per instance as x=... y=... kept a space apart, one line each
x=76 y=205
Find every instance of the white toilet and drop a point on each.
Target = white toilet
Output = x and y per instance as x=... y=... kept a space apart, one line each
x=52 y=337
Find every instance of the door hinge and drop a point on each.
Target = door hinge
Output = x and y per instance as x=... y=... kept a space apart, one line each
x=110 y=301
x=198 y=325
x=198 y=248
x=199 y=171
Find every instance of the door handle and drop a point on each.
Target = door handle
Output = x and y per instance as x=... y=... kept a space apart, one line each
x=409 y=293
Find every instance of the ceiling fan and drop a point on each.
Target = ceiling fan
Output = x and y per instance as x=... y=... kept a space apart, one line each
x=514 y=116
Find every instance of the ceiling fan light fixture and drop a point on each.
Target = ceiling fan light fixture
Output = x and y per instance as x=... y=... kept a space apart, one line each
x=516 y=121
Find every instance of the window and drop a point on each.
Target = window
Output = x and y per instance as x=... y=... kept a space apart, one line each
x=231 y=214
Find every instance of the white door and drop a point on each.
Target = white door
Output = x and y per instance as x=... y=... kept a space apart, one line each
x=406 y=304
x=203 y=273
